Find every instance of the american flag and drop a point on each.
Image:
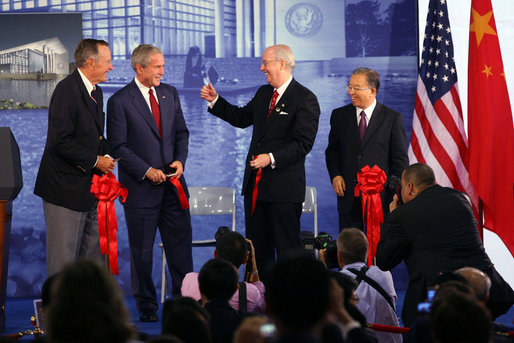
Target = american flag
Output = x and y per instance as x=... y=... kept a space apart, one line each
x=438 y=136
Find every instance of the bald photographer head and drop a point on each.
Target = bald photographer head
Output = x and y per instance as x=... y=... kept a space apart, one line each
x=415 y=179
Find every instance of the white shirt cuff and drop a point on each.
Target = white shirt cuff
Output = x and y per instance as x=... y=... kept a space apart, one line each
x=213 y=102
x=272 y=164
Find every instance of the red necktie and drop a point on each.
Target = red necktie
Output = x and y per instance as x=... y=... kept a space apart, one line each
x=259 y=171
x=155 y=111
x=273 y=102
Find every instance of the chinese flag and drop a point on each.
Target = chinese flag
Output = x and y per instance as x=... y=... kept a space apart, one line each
x=490 y=128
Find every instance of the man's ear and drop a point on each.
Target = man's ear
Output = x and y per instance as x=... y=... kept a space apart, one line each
x=340 y=259
x=245 y=260
x=411 y=189
x=215 y=254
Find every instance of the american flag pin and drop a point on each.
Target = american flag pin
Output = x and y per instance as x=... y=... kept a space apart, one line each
x=164 y=97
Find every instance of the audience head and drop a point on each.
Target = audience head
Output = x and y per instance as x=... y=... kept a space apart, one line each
x=459 y=317
x=350 y=298
x=87 y=306
x=478 y=280
x=249 y=331
x=298 y=293
x=218 y=279
x=165 y=339
x=352 y=246
x=186 y=319
x=231 y=246
x=415 y=179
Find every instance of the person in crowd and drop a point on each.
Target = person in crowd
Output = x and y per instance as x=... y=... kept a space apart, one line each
x=307 y=306
x=285 y=116
x=186 y=319
x=350 y=298
x=87 y=306
x=435 y=231
x=75 y=149
x=218 y=281
x=233 y=247
x=362 y=133
x=253 y=329
x=375 y=291
x=147 y=131
x=459 y=317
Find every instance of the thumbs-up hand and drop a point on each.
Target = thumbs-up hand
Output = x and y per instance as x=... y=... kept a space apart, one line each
x=208 y=92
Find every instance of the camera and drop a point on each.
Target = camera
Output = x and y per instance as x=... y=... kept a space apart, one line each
x=325 y=241
x=394 y=185
x=426 y=306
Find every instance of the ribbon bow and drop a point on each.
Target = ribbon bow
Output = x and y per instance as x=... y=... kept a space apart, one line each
x=370 y=183
x=107 y=189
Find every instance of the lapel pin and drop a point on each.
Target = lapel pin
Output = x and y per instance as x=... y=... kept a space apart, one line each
x=277 y=109
x=164 y=97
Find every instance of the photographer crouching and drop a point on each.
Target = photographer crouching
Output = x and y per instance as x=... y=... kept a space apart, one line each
x=375 y=290
x=234 y=248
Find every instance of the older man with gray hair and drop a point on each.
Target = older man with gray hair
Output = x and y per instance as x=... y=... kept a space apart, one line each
x=285 y=116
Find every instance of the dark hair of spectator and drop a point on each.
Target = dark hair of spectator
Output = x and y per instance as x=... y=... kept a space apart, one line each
x=232 y=247
x=86 y=49
x=298 y=292
x=186 y=319
x=460 y=317
x=218 y=279
x=87 y=306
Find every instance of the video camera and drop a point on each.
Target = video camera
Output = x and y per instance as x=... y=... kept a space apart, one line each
x=325 y=241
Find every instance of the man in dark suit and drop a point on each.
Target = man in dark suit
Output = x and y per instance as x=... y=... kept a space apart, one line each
x=148 y=132
x=285 y=116
x=435 y=231
x=74 y=150
x=362 y=133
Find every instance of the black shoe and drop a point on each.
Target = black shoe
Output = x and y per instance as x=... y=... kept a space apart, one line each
x=148 y=317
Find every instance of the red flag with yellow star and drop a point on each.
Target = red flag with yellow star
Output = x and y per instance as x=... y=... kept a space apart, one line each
x=490 y=128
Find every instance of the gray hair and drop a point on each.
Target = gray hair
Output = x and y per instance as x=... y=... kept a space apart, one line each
x=372 y=76
x=284 y=52
x=142 y=53
x=86 y=49
x=352 y=245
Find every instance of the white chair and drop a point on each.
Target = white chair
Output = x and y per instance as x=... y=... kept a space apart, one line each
x=205 y=201
x=310 y=205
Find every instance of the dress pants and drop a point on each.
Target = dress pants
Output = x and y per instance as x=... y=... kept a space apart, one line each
x=175 y=229
x=70 y=236
x=273 y=228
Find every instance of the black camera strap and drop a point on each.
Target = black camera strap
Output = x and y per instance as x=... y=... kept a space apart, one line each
x=361 y=275
x=243 y=303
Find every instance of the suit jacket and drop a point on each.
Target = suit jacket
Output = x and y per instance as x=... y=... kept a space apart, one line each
x=136 y=140
x=74 y=140
x=288 y=133
x=435 y=232
x=384 y=144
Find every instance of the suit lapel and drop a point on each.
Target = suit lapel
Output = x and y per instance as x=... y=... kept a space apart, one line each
x=374 y=123
x=142 y=108
x=94 y=108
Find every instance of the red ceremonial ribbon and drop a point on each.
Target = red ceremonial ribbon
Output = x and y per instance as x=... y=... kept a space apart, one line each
x=184 y=204
x=256 y=188
x=107 y=189
x=370 y=183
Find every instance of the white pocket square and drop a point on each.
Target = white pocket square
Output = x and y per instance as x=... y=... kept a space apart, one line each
x=283 y=113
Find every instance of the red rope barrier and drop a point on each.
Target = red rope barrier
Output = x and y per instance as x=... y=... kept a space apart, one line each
x=388 y=328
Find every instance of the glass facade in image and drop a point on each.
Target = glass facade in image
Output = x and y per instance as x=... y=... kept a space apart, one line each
x=172 y=25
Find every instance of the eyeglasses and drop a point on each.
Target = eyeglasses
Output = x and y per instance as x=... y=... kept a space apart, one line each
x=356 y=89
x=265 y=63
